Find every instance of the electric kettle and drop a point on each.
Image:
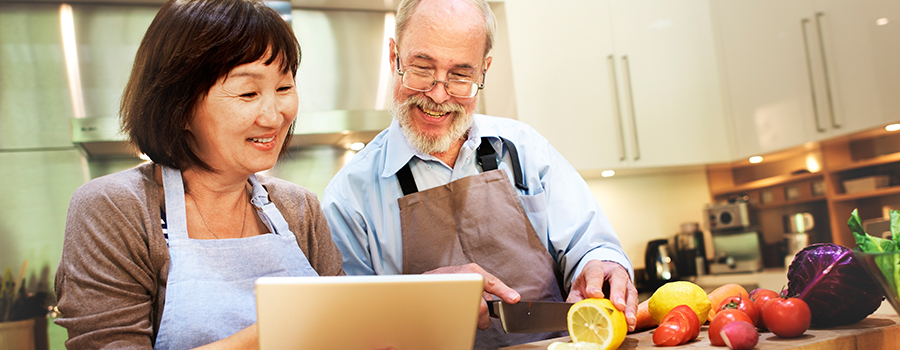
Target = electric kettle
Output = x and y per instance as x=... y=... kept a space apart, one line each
x=659 y=265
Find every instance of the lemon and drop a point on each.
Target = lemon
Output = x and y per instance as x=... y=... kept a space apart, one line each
x=677 y=293
x=596 y=321
x=582 y=345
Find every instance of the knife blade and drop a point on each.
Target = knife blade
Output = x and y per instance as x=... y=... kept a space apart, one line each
x=531 y=316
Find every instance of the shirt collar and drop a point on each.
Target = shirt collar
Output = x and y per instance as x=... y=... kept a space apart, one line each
x=399 y=152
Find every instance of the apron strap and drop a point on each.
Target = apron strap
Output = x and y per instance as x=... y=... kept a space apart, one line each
x=176 y=220
x=267 y=210
x=517 y=168
x=487 y=159
x=407 y=182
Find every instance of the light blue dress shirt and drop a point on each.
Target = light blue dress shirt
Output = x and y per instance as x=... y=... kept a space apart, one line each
x=361 y=206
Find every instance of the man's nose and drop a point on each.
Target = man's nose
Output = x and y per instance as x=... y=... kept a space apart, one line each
x=438 y=93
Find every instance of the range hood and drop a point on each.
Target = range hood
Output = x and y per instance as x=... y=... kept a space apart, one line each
x=101 y=137
x=343 y=81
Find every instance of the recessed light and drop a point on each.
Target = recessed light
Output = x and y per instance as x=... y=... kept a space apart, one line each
x=882 y=21
x=607 y=173
x=356 y=146
x=892 y=127
x=756 y=159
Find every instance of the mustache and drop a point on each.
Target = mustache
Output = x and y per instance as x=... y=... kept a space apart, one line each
x=427 y=103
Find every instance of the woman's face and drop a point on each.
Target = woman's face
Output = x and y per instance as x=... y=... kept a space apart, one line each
x=240 y=125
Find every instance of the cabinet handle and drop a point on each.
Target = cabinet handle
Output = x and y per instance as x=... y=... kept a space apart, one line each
x=617 y=109
x=809 y=70
x=828 y=97
x=627 y=69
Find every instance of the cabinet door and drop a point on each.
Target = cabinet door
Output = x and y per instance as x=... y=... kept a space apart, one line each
x=861 y=60
x=561 y=58
x=766 y=47
x=671 y=89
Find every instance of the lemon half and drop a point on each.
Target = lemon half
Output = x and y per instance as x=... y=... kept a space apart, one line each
x=597 y=321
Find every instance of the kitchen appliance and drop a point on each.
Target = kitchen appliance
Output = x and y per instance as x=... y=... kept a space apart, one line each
x=724 y=216
x=659 y=264
x=797 y=227
x=689 y=250
x=531 y=316
x=736 y=242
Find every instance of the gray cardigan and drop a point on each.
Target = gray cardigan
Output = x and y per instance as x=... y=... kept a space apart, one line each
x=111 y=279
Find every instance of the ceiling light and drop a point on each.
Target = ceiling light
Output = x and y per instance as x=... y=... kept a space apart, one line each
x=608 y=173
x=892 y=127
x=357 y=146
x=755 y=159
x=882 y=21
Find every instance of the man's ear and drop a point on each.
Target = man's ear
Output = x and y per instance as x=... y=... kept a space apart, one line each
x=487 y=63
x=393 y=54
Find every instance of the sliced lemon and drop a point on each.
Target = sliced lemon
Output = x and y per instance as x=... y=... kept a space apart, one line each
x=597 y=321
x=582 y=345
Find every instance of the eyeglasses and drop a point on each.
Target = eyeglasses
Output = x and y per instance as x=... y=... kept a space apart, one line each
x=422 y=81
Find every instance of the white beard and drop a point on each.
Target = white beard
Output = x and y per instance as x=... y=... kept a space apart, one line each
x=429 y=144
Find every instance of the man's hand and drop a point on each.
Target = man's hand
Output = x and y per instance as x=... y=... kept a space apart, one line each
x=492 y=285
x=590 y=283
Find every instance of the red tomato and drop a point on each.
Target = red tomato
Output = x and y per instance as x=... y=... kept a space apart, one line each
x=741 y=303
x=689 y=317
x=787 y=317
x=760 y=297
x=721 y=319
x=670 y=333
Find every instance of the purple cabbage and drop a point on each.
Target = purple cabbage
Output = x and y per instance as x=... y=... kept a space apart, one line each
x=834 y=284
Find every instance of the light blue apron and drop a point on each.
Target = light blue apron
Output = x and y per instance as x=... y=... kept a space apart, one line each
x=210 y=288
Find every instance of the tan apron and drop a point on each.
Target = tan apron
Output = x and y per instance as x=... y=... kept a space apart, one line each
x=479 y=219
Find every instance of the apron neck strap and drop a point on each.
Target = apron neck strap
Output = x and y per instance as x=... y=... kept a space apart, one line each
x=487 y=159
x=267 y=210
x=173 y=186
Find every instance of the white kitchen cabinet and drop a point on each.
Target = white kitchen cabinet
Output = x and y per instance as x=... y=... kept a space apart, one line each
x=802 y=70
x=620 y=83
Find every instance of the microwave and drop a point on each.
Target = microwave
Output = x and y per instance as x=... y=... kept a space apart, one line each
x=726 y=216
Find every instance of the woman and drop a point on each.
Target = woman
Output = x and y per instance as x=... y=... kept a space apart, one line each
x=165 y=254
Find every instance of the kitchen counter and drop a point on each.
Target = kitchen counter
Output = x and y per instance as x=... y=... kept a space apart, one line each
x=878 y=331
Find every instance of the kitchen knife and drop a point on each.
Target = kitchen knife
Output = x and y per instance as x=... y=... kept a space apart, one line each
x=531 y=316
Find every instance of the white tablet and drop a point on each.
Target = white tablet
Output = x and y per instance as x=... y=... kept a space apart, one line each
x=403 y=312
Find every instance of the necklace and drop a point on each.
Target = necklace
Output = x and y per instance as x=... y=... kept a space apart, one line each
x=243 y=221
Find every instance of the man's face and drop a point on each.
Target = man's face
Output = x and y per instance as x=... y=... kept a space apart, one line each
x=446 y=39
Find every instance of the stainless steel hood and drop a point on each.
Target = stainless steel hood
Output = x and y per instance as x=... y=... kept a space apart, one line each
x=101 y=137
x=343 y=80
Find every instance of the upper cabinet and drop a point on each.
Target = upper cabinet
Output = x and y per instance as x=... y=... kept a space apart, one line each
x=620 y=83
x=807 y=70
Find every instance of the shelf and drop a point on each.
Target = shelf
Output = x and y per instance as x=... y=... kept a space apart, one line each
x=880 y=192
x=791 y=202
x=880 y=160
x=767 y=182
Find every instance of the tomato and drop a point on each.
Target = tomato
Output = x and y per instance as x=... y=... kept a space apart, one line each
x=689 y=317
x=786 y=317
x=670 y=333
x=722 y=318
x=760 y=297
x=741 y=303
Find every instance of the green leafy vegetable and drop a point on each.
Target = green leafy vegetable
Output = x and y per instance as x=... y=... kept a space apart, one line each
x=889 y=264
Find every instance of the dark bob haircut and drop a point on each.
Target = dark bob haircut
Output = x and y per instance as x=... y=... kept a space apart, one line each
x=187 y=48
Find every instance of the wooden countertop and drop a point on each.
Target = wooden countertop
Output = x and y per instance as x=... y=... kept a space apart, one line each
x=876 y=332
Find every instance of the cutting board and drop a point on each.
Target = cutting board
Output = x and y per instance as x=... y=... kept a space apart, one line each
x=878 y=331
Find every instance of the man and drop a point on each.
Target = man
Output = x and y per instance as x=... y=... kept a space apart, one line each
x=434 y=192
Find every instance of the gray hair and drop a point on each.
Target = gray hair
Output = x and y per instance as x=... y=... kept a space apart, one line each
x=407 y=7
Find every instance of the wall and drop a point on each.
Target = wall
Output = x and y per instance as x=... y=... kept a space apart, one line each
x=651 y=206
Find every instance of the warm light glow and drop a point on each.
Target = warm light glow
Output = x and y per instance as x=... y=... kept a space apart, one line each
x=812 y=163
x=143 y=157
x=882 y=21
x=70 y=54
x=608 y=173
x=756 y=159
x=385 y=73
x=357 y=146
x=892 y=127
